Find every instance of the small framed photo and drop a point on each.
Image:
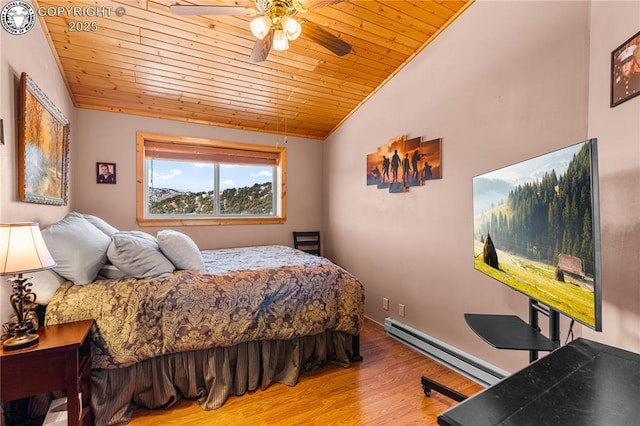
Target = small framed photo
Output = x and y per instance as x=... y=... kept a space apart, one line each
x=625 y=71
x=106 y=172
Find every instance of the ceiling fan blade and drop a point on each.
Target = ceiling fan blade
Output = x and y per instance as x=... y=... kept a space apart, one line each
x=180 y=9
x=261 y=48
x=325 y=39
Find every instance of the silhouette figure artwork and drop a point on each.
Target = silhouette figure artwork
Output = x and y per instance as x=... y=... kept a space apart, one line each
x=426 y=171
x=385 y=168
x=403 y=163
x=415 y=158
x=395 y=163
x=406 y=168
x=377 y=174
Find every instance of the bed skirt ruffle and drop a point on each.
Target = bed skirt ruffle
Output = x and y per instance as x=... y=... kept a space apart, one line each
x=211 y=375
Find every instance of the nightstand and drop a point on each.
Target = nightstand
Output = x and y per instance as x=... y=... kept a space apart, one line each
x=61 y=361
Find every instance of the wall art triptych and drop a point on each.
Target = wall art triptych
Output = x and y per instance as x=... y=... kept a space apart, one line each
x=403 y=163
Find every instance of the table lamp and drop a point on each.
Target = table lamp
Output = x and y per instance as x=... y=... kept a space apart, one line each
x=22 y=250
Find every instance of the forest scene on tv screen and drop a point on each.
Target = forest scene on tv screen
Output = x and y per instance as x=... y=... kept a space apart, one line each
x=533 y=229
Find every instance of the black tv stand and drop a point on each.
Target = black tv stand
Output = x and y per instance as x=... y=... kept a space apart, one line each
x=511 y=332
x=507 y=332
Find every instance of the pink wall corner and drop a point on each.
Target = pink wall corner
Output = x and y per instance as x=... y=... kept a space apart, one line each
x=497 y=94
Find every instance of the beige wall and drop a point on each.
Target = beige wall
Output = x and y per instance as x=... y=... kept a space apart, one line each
x=618 y=129
x=28 y=53
x=111 y=137
x=507 y=81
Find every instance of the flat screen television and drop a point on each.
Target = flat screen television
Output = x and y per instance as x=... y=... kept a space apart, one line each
x=537 y=230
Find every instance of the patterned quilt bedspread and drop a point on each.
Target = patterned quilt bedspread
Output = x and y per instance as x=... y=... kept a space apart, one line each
x=246 y=294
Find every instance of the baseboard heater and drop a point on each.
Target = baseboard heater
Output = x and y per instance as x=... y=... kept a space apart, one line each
x=473 y=368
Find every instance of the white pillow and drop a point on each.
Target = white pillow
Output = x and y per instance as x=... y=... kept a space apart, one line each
x=44 y=284
x=99 y=223
x=138 y=255
x=181 y=250
x=78 y=247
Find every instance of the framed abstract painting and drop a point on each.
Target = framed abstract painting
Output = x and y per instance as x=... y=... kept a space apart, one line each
x=43 y=147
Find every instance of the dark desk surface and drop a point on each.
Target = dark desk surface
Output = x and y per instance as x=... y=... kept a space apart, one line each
x=582 y=383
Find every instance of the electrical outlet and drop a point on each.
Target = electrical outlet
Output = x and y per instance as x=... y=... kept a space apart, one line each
x=401 y=310
x=385 y=303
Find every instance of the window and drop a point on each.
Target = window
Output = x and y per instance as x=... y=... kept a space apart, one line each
x=191 y=181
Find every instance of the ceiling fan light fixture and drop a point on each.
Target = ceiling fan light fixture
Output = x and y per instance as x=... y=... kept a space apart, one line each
x=260 y=26
x=280 y=40
x=292 y=27
x=274 y=23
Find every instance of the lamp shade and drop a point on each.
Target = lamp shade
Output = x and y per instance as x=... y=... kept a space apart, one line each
x=280 y=41
x=22 y=249
x=291 y=27
x=260 y=27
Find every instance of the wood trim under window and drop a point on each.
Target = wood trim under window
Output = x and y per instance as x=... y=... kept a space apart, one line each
x=180 y=142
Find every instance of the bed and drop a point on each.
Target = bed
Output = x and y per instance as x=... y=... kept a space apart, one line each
x=257 y=315
x=252 y=316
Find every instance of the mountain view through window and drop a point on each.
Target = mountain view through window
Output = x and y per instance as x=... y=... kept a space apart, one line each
x=178 y=188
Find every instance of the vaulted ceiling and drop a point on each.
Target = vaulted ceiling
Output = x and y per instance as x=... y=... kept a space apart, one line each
x=153 y=62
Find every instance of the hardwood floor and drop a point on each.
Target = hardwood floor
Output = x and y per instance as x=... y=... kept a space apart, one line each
x=383 y=389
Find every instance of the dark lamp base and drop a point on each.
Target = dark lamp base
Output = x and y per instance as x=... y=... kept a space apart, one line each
x=20 y=342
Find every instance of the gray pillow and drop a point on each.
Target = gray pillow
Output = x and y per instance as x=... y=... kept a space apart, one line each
x=110 y=272
x=78 y=247
x=138 y=255
x=181 y=250
x=97 y=222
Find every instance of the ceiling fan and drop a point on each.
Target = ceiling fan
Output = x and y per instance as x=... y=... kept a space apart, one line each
x=275 y=24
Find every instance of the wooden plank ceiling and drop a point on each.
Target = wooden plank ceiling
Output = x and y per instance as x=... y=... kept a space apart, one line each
x=153 y=62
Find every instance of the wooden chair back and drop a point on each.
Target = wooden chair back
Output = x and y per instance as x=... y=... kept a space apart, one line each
x=307 y=241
